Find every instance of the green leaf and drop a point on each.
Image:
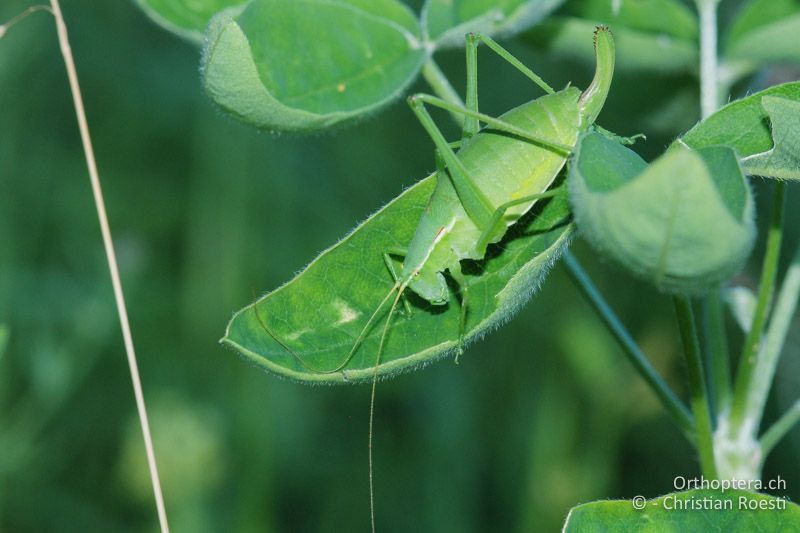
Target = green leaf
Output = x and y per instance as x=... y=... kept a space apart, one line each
x=301 y=65
x=684 y=222
x=732 y=511
x=765 y=31
x=187 y=18
x=782 y=161
x=656 y=35
x=744 y=125
x=447 y=21
x=320 y=312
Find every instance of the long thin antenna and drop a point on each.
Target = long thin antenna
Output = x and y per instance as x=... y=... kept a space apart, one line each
x=401 y=288
x=111 y=256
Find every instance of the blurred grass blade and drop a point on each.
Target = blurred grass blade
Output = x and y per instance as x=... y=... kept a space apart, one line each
x=732 y=511
x=447 y=22
x=742 y=302
x=764 y=129
x=302 y=65
x=3 y=339
x=322 y=310
x=764 y=32
x=654 y=35
x=187 y=18
x=684 y=222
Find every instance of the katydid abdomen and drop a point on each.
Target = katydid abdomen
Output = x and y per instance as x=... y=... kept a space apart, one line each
x=505 y=168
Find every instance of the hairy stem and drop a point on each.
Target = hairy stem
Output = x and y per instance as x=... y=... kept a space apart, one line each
x=697 y=386
x=111 y=257
x=672 y=404
x=709 y=84
x=752 y=343
x=714 y=318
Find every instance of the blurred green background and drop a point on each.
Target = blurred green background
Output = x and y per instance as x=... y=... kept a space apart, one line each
x=542 y=415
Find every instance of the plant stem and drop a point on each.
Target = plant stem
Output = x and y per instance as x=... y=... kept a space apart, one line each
x=111 y=257
x=709 y=87
x=442 y=88
x=697 y=386
x=672 y=404
x=718 y=352
x=780 y=428
x=714 y=318
x=752 y=342
x=767 y=360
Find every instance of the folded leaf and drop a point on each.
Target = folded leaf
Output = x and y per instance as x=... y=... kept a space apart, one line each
x=300 y=65
x=321 y=312
x=187 y=18
x=732 y=511
x=684 y=222
x=447 y=22
x=782 y=161
x=762 y=129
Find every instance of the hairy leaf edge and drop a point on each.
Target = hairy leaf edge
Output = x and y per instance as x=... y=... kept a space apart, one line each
x=517 y=292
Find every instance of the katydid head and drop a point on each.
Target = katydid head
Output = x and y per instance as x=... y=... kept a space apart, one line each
x=593 y=98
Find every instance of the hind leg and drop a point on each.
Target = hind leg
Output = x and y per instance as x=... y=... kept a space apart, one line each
x=471 y=123
x=497 y=216
x=475 y=203
x=472 y=41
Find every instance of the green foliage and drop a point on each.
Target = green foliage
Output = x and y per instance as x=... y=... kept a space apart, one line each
x=218 y=210
x=362 y=54
x=187 y=18
x=320 y=312
x=732 y=511
x=187 y=437
x=3 y=339
x=744 y=125
x=656 y=35
x=446 y=21
x=782 y=161
x=685 y=222
x=765 y=31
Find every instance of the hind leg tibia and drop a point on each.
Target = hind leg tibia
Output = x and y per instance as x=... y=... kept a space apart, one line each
x=387 y=259
x=472 y=40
